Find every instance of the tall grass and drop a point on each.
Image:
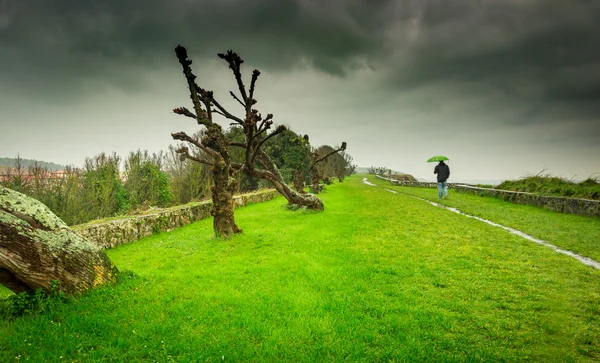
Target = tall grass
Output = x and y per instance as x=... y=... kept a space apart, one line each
x=554 y=186
x=375 y=277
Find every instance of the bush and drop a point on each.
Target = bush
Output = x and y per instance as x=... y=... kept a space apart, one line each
x=146 y=184
x=554 y=186
x=32 y=302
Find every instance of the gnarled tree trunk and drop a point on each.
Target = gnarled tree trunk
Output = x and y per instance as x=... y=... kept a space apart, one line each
x=272 y=174
x=37 y=247
x=222 y=197
x=298 y=181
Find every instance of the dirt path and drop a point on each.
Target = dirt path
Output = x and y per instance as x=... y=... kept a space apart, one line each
x=585 y=260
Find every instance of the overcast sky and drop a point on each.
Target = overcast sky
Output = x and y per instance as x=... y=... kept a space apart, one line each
x=504 y=88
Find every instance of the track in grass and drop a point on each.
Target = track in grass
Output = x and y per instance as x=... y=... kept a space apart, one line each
x=585 y=260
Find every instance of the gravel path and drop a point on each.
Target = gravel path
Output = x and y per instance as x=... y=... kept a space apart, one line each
x=585 y=260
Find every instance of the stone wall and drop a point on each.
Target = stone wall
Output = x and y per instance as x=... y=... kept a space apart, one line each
x=417 y=184
x=114 y=232
x=586 y=207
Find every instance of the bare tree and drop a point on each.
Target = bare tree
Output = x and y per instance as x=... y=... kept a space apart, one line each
x=313 y=167
x=257 y=130
x=215 y=146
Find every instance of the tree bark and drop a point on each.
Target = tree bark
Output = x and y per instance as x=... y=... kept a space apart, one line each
x=222 y=197
x=37 y=247
x=298 y=181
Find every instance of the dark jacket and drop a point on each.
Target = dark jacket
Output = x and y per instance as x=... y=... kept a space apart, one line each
x=443 y=172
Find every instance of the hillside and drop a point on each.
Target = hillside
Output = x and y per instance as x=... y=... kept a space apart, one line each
x=10 y=162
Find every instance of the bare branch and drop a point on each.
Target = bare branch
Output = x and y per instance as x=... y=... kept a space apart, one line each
x=255 y=75
x=277 y=131
x=235 y=62
x=182 y=136
x=343 y=147
x=220 y=113
x=267 y=125
x=238 y=168
x=267 y=121
x=182 y=56
x=226 y=113
x=237 y=99
x=185 y=112
x=238 y=144
x=184 y=154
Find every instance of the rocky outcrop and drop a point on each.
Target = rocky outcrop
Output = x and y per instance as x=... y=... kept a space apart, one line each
x=114 y=232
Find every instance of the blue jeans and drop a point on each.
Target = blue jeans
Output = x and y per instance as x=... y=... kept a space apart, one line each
x=442 y=189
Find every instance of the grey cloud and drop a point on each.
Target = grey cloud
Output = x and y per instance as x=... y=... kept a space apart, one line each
x=65 y=43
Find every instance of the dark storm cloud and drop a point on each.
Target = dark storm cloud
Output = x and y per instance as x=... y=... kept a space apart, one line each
x=61 y=45
x=536 y=53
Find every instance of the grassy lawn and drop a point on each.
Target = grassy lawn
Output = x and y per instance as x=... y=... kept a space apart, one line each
x=376 y=277
x=580 y=234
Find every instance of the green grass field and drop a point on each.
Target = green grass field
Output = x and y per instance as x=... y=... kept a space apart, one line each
x=376 y=277
x=579 y=234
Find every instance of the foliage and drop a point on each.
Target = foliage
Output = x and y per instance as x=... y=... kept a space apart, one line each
x=396 y=280
x=554 y=186
x=188 y=181
x=246 y=182
x=146 y=183
x=37 y=302
x=100 y=190
x=288 y=150
x=102 y=186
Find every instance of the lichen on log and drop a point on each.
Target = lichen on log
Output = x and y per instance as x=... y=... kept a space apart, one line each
x=37 y=247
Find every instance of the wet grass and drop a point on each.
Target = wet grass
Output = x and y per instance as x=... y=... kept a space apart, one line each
x=568 y=231
x=376 y=277
x=554 y=186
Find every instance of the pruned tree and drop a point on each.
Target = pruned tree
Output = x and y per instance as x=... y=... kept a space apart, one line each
x=37 y=248
x=312 y=166
x=335 y=165
x=378 y=170
x=349 y=168
x=257 y=131
x=215 y=146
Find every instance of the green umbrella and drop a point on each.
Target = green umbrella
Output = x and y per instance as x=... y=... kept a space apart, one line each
x=437 y=158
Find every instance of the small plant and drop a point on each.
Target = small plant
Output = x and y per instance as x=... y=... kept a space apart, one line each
x=33 y=302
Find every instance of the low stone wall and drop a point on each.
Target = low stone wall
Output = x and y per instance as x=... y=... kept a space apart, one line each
x=417 y=184
x=114 y=232
x=586 y=207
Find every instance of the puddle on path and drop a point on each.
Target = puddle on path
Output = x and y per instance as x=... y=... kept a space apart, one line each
x=585 y=260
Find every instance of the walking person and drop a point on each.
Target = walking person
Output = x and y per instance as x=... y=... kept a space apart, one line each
x=443 y=173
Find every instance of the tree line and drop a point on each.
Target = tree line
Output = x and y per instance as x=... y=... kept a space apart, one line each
x=108 y=185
